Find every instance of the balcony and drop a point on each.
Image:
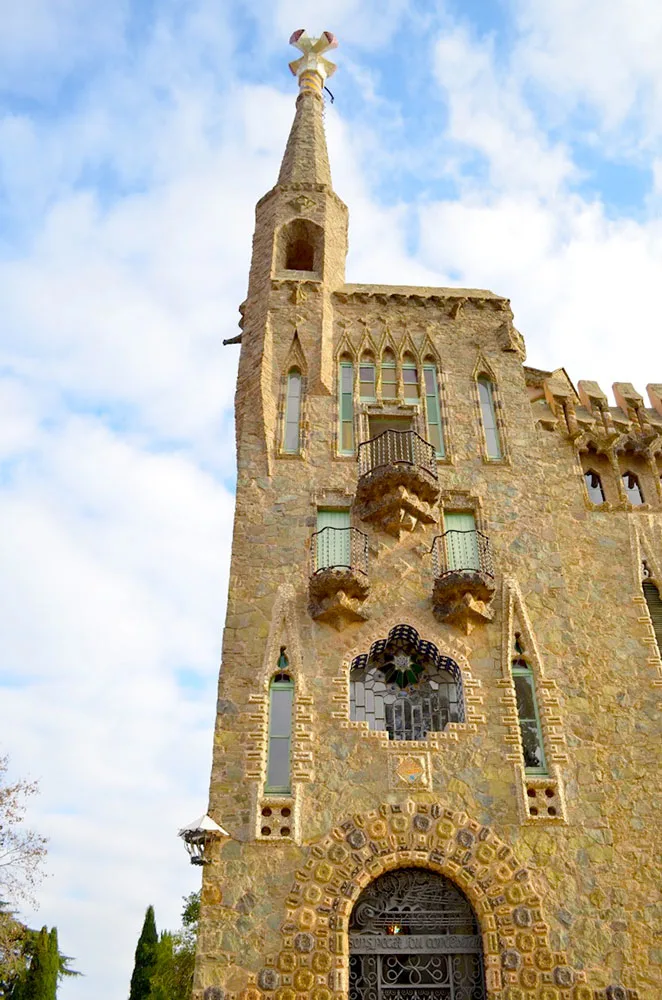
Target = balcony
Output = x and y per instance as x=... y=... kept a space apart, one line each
x=463 y=579
x=339 y=576
x=398 y=484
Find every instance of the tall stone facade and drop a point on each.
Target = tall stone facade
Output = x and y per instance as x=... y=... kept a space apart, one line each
x=488 y=533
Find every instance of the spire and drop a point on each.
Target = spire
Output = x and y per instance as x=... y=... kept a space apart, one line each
x=306 y=160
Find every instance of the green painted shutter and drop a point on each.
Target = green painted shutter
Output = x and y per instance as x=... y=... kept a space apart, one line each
x=435 y=432
x=346 y=390
x=461 y=548
x=654 y=602
x=333 y=546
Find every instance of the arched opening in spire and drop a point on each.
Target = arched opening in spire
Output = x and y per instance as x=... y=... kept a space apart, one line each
x=299 y=247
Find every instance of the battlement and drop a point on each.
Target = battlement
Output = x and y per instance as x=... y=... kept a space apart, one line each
x=584 y=415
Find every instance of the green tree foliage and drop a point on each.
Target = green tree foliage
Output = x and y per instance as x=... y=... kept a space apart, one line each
x=145 y=961
x=42 y=966
x=173 y=974
x=13 y=960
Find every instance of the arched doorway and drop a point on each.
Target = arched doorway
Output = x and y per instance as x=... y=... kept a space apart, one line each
x=413 y=936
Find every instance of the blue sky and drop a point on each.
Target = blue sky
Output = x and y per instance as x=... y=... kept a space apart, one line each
x=515 y=146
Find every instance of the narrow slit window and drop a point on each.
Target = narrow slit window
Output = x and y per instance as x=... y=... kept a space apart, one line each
x=281 y=697
x=654 y=603
x=596 y=494
x=389 y=377
x=488 y=413
x=367 y=380
x=529 y=718
x=292 y=440
x=410 y=380
x=346 y=407
x=435 y=430
x=633 y=489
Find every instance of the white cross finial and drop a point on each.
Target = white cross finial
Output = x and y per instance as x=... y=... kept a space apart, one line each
x=312 y=68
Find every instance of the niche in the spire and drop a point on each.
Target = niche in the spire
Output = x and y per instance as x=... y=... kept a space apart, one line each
x=299 y=248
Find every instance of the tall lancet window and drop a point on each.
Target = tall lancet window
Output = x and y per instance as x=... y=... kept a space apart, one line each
x=488 y=414
x=530 y=729
x=433 y=411
x=281 y=698
x=346 y=404
x=292 y=441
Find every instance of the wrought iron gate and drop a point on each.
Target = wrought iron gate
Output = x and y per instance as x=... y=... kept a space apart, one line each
x=413 y=936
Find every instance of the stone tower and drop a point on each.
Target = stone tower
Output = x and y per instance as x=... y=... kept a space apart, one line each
x=435 y=771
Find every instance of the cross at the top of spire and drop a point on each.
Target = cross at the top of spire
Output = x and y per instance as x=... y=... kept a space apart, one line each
x=312 y=68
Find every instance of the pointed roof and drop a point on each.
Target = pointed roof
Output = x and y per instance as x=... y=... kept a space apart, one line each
x=306 y=160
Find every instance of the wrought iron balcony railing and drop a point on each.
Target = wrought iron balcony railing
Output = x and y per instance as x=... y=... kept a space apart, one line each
x=462 y=552
x=339 y=548
x=397 y=448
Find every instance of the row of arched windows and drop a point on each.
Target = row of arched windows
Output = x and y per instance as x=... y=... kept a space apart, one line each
x=631 y=485
x=381 y=383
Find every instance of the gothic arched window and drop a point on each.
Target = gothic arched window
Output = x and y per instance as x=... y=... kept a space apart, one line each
x=281 y=698
x=633 y=489
x=409 y=377
x=389 y=375
x=488 y=414
x=432 y=408
x=414 y=936
x=405 y=687
x=530 y=729
x=292 y=438
x=346 y=405
x=596 y=494
x=367 y=391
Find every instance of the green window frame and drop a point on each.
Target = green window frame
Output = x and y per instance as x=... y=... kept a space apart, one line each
x=488 y=414
x=367 y=389
x=433 y=410
x=389 y=380
x=346 y=405
x=531 y=736
x=279 y=747
x=292 y=435
x=410 y=386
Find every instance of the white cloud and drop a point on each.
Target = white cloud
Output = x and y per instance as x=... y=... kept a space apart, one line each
x=602 y=55
x=488 y=113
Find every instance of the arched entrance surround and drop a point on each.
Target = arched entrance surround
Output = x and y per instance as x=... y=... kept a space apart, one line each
x=314 y=958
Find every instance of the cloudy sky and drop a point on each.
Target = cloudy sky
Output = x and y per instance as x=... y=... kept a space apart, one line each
x=512 y=145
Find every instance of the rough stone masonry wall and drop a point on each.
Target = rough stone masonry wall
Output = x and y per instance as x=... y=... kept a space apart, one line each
x=568 y=905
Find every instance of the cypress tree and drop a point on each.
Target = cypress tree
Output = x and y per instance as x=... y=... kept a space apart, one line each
x=40 y=979
x=145 y=963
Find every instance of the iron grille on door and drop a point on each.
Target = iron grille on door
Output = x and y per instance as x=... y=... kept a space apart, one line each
x=413 y=936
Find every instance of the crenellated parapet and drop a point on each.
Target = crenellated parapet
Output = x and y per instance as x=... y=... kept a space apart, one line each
x=618 y=447
x=584 y=416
